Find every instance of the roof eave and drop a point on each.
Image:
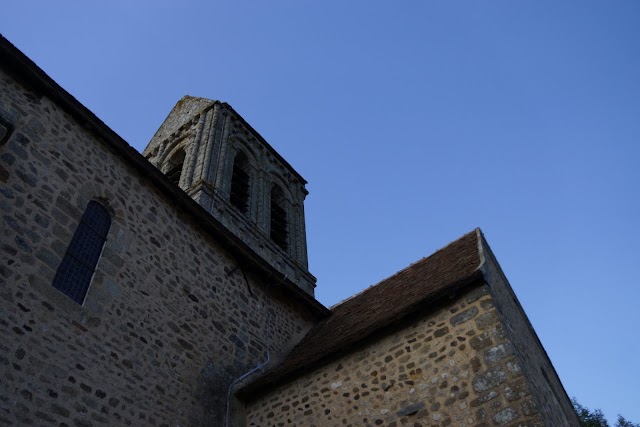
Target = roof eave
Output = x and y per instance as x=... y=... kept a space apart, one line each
x=271 y=378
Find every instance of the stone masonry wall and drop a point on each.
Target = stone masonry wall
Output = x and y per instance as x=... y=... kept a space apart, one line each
x=555 y=406
x=167 y=323
x=452 y=366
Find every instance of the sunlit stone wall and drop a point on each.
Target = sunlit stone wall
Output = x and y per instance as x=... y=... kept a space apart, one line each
x=448 y=366
x=169 y=320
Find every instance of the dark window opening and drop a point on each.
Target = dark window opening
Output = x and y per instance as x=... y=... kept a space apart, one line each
x=279 y=232
x=175 y=167
x=240 y=184
x=79 y=263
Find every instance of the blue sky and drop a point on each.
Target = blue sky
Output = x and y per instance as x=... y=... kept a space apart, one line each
x=414 y=123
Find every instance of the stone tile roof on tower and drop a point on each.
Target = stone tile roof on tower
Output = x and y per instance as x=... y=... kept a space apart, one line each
x=443 y=273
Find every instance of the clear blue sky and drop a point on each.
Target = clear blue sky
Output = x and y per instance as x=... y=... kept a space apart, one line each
x=414 y=123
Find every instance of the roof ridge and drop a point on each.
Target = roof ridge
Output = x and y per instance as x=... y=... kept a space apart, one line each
x=437 y=277
x=481 y=249
x=476 y=230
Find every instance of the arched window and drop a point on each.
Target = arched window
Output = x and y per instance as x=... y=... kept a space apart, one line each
x=279 y=224
x=240 y=183
x=174 y=169
x=76 y=269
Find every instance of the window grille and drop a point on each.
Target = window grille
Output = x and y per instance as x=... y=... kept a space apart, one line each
x=175 y=167
x=79 y=263
x=240 y=184
x=279 y=225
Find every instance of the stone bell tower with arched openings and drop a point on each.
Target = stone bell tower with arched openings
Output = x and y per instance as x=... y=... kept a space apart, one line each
x=216 y=157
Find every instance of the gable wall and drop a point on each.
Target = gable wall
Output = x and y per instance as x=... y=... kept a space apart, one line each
x=555 y=406
x=164 y=328
x=451 y=367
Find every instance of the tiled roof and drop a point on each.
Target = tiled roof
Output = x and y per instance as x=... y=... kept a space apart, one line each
x=358 y=317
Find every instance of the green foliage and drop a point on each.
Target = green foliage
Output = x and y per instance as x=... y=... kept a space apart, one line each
x=624 y=423
x=589 y=418
x=596 y=418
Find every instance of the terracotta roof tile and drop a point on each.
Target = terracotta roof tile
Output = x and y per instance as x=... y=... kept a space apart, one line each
x=358 y=317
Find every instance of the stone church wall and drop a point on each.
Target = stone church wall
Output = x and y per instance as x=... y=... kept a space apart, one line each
x=452 y=366
x=555 y=406
x=167 y=324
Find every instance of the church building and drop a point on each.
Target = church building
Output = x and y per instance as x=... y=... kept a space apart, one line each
x=172 y=288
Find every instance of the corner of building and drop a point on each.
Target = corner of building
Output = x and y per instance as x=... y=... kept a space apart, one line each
x=553 y=403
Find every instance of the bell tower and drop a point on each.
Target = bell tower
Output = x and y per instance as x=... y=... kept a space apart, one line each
x=216 y=157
